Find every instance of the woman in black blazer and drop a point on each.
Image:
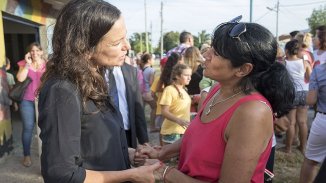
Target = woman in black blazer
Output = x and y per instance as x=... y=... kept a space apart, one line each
x=83 y=139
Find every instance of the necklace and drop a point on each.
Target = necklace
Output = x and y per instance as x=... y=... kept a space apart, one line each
x=221 y=101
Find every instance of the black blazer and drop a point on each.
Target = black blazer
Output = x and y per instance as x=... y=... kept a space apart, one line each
x=74 y=140
x=138 y=126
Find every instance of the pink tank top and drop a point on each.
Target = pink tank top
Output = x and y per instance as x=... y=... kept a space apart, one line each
x=36 y=80
x=203 y=145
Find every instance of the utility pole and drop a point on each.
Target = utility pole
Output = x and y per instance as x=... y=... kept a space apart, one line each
x=276 y=9
x=161 y=29
x=141 y=43
x=251 y=10
x=152 y=37
x=146 y=33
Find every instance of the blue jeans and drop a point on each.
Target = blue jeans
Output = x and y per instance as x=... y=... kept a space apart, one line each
x=27 y=113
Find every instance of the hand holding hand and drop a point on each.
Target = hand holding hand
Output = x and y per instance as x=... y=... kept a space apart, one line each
x=151 y=152
x=160 y=173
x=151 y=161
x=139 y=158
x=145 y=174
x=136 y=158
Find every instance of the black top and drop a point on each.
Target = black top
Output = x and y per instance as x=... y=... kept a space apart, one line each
x=74 y=140
x=321 y=176
x=196 y=77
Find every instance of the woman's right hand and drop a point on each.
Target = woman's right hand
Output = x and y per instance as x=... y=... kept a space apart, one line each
x=145 y=174
x=28 y=58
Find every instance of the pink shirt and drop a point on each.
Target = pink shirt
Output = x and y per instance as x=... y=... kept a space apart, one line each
x=203 y=145
x=36 y=80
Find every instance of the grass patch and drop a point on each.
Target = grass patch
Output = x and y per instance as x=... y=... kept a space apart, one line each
x=287 y=166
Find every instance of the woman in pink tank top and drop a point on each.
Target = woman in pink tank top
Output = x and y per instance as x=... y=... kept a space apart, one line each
x=230 y=139
x=33 y=66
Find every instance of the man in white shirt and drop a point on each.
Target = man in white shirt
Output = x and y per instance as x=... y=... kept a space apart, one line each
x=130 y=104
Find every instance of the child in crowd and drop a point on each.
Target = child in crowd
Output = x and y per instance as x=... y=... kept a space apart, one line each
x=11 y=83
x=175 y=103
x=163 y=80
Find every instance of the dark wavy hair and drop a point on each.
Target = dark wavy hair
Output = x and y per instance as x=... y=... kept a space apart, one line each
x=322 y=39
x=80 y=26
x=268 y=77
x=293 y=47
x=145 y=58
x=165 y=78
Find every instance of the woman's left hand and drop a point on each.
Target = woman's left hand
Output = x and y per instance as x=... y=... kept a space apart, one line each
x=136 y=158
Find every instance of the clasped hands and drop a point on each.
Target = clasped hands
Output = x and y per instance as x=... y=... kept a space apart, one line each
x=146 y=155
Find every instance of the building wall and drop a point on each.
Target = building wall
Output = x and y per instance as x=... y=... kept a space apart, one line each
x=32 y=10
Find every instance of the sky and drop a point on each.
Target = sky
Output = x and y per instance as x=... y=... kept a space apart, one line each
x=197 y=15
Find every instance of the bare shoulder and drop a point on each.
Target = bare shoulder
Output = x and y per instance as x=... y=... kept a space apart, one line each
x=251 y=117
x=255 y=111
x=255 y=107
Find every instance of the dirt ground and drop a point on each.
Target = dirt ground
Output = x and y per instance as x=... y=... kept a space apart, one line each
x=11 y=169
x=287 y=166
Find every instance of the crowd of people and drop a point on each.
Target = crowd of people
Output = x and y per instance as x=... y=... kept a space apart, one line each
x=215 y=107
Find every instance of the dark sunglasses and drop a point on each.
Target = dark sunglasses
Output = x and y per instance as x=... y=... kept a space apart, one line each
x=233 y=21
x=237 y=30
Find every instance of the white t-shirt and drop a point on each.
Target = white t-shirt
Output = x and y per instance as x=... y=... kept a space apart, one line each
x=296 y=69
x=321 y=59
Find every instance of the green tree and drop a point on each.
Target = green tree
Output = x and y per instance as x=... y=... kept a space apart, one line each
x=317 y=18
x=196 y=41
x=138 y=44
x=170 y=40
x=202 y=38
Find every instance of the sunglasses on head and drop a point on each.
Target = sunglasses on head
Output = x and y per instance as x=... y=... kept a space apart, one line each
x=237 y=30
x=233 y=21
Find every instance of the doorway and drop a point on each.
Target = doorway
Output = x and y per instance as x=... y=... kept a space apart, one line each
x=18 y=34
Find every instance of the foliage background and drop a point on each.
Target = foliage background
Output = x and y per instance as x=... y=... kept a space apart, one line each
x=317 y=18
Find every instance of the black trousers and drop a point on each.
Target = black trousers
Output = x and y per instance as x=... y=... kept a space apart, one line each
x=321 y=176
x=270 y=165
x=128 y=135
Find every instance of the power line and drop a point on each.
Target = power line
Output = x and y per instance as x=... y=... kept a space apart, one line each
x=303 y=4
x=277 y=10
x=293 y=14
x=262 y=16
